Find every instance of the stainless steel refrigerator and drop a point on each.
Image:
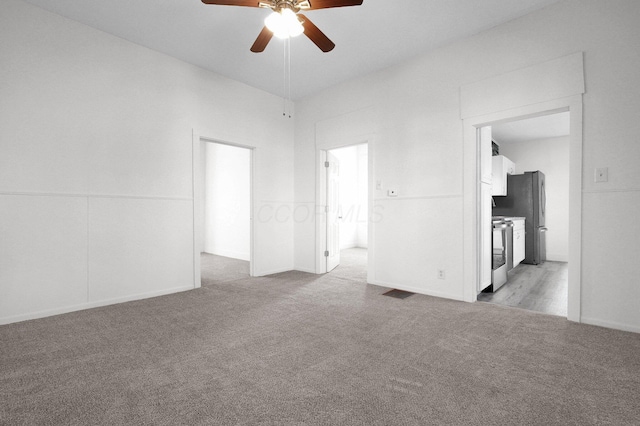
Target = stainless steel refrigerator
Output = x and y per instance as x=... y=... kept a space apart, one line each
x=526 y=198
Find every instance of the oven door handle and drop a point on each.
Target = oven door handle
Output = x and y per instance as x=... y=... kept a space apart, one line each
x=503 y=225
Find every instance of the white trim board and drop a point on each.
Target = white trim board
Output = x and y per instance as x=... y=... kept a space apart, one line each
x=554 y=79
x=90 y=305
x=417 y=290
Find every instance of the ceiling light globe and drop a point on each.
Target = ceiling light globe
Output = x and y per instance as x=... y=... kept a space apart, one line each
x=295 y=28
x=284 y=24
x=296 y=31
x=288 y=15
x=274 y=22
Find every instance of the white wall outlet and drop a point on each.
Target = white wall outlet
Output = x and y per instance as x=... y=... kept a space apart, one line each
x=392 y=193
x=379 y=185
x=441 y=274
x=602 y=174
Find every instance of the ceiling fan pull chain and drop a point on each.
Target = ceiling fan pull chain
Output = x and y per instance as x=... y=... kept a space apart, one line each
x=289 y=74
x=284 y=78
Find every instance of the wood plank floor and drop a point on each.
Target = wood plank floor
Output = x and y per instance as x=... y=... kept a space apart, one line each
x=541 y=288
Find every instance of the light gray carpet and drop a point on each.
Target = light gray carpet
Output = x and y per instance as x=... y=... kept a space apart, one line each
x=301 y=349
x=353 y=265
x=219 y=269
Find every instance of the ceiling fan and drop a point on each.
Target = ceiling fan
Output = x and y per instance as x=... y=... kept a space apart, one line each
x=286 y=21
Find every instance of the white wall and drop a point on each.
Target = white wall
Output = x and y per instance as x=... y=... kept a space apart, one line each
x=551 y=156
x=413 y=112
x=96 y=191
x=96 y=164
x=227 y=201
x=353 y=195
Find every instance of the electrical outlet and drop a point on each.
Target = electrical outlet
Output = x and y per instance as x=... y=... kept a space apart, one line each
x=441 y=274
x=392 y=193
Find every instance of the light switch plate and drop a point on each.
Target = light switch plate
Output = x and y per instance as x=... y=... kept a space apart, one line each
x=602 y=174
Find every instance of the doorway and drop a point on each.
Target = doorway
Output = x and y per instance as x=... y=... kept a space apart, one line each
x=537 y=147
x=556 y=85
x=225 y=251
x=347 y=211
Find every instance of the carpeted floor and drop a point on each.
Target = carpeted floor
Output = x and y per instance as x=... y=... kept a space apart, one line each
x=301 y=349
x=219 y=269
x=353 y=265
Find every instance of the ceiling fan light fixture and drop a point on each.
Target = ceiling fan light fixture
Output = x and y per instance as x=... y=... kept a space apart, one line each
x=284 y=24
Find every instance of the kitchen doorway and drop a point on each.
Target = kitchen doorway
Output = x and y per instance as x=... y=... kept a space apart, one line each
x=544 y=88
x=536 y=148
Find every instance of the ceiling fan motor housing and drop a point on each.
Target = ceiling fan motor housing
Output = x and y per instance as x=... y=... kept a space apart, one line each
x=279 y=5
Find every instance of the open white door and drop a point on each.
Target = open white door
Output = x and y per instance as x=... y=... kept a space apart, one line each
x=332 y=252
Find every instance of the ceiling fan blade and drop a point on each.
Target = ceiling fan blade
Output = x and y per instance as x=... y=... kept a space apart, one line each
x=248 y=3
x=325 y=4
x=315 y=35
x=261 y=42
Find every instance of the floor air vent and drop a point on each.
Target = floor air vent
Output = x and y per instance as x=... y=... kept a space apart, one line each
x=398 y=294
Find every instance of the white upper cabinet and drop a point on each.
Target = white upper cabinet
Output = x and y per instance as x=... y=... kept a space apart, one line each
x=501 y=167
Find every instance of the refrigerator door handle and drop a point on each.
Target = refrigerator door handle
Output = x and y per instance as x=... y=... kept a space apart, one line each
x=544 y=198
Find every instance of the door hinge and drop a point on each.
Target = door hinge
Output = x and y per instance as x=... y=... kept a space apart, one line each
x=326 y=164
x=326 y=253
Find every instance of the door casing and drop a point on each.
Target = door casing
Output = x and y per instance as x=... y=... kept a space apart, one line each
x=472 y=193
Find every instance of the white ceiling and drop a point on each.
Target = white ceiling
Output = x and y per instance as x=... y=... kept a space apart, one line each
x=370 y=37
x=542 y=127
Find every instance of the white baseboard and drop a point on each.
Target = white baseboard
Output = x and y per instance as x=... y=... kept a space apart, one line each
x=271 y=272
x=350 y=244
x=417 y=290
x=354 y=245
x=231 y=254
x=610 y=324
x=556 y=257
x=90 y=305
x=308 y=270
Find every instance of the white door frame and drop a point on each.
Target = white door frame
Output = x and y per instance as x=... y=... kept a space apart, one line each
x=197 y=186
x=472 y=188
x=321 y=199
